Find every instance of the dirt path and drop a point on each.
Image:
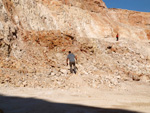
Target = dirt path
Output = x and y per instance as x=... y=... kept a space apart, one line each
x=129 y=98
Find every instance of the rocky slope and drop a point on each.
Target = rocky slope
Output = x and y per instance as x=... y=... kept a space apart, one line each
x=36 y=35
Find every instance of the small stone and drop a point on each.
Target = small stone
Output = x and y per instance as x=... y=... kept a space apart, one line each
x=52 y=74
x=64 y=71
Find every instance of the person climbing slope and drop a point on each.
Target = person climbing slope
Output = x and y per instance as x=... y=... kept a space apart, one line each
x=72 y=61
x=117 y=37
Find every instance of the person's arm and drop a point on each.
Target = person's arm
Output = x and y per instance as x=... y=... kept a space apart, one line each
x=67 y=61
x=76 y=58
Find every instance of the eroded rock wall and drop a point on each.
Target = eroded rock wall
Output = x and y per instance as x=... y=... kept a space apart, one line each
x=36 y=35
x=131 y=24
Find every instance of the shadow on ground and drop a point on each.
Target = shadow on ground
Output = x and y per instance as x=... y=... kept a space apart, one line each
x=32 y=105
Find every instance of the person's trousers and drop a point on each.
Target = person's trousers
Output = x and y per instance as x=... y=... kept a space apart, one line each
x=72 y=64
x=117 y=38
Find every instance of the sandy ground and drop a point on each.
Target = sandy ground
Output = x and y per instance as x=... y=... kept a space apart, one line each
x=130 y=97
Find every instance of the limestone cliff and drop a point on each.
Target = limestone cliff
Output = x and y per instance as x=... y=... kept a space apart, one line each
x=35 y=36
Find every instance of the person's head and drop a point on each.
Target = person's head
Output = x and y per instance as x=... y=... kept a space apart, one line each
x=69 y=52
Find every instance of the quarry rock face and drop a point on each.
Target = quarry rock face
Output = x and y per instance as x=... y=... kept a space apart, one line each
x=132 y=24
x=36 y=35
